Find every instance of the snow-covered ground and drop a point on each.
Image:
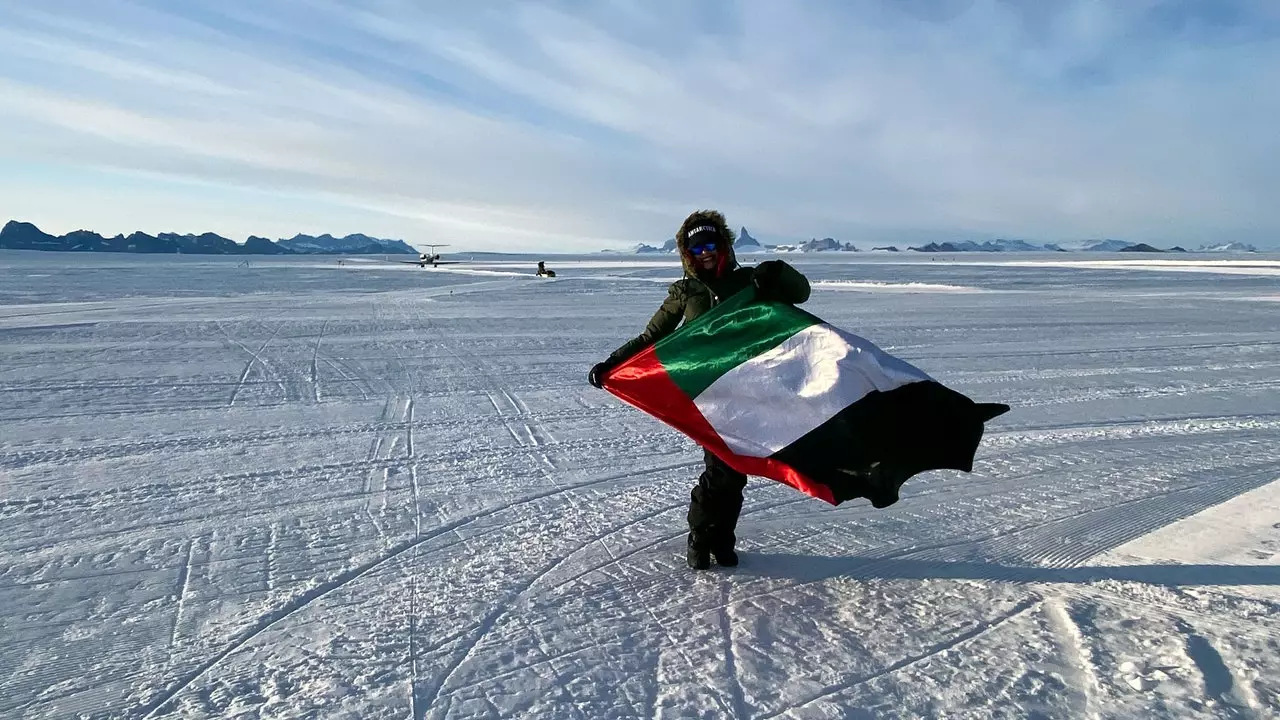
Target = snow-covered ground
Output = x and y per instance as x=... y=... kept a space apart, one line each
x=299 y=489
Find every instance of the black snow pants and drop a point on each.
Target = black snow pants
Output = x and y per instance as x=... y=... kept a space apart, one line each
x=714 y=505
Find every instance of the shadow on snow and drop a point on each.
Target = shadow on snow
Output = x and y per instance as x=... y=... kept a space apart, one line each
x=810 y=568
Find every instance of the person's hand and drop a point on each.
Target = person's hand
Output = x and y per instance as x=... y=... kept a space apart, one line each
x=766 y=279
x=597 y=373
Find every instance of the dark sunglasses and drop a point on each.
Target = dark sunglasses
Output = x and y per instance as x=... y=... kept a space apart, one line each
x=702 y=248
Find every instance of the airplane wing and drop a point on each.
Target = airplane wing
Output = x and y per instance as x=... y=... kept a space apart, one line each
x=428 y=262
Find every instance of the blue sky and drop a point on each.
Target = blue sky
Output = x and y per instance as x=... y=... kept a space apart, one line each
x=584 y=125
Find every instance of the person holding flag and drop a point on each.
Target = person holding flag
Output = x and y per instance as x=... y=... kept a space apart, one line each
x=771 y=390
x=711 y=275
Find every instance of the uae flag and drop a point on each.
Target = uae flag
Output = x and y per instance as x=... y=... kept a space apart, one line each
x=774 y=391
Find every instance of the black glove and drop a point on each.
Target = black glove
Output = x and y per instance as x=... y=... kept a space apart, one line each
x=766 y=279
x=597 y=373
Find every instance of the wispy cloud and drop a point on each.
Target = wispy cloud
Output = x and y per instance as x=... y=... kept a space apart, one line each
x=580 y=126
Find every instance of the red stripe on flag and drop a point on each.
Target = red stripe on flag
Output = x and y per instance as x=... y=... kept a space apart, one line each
x=644 y=383
x=774 y=470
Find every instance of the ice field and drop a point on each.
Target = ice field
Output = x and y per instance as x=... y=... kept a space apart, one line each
x=298 y=489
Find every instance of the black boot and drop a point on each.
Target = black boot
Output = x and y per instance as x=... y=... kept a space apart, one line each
x=697 y=556
x=714 y=506
x=725 y=557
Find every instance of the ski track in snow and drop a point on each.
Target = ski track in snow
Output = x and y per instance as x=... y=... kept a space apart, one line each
x=310 y=492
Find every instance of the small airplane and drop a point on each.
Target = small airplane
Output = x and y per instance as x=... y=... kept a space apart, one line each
x=431 y=257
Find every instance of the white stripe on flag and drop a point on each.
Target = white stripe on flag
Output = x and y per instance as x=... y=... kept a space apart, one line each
x=775 y=398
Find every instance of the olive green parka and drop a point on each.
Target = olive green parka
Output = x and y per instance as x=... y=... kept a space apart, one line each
x=697 y=292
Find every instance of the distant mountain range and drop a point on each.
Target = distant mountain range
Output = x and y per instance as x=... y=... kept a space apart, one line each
x=748 y=244
x=25 y=236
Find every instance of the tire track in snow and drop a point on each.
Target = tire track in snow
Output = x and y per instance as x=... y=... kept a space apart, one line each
x=327 y=472
x=670 y=537
x=1205 y=494
x=736 y=690
x=549 y=384
x=411 y=455
x=182 y=588
x=1093 y=526
x=614 y=559
x=129 y=412
x=1167 y=348
x=1041 y=375
x=346 y=577
x=361 y=384
x=538 y=436
x=518 y=411
x=269 y=562
x=420 y=698
x=1146 y=393
x=1133 y=522
x=1019 y=532
x=315 y=353
x=983 y=628
x=858 y=568
x=382 y=452
x=736 y=695
x=399 y=405
x=1099 y=529
x=201 y=521
x=93 y=356
x=25 y=458
x=1129 y=450
x=521 y=441
x=434 y=694
x=95 y=499
x=414 y=676
x=547 y=659
x=1012 y=441
x=254 y=357
x=1213 y=420
x=128 y=383
x=509 y=603
x=296 y=604
x=1120 y=521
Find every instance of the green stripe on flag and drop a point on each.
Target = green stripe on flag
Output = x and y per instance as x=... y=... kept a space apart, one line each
x=726 y=336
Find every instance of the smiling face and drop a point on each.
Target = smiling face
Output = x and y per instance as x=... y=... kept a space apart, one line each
x=703 y=246
x=707 y=258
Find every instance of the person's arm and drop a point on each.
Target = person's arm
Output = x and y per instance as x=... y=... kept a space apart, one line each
x=776 y=280
x=662 y=324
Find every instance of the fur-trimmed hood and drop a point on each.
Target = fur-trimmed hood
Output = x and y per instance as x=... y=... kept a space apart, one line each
x=725 y=244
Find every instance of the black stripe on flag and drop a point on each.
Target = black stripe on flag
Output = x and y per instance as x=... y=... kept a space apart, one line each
x=874 y=445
